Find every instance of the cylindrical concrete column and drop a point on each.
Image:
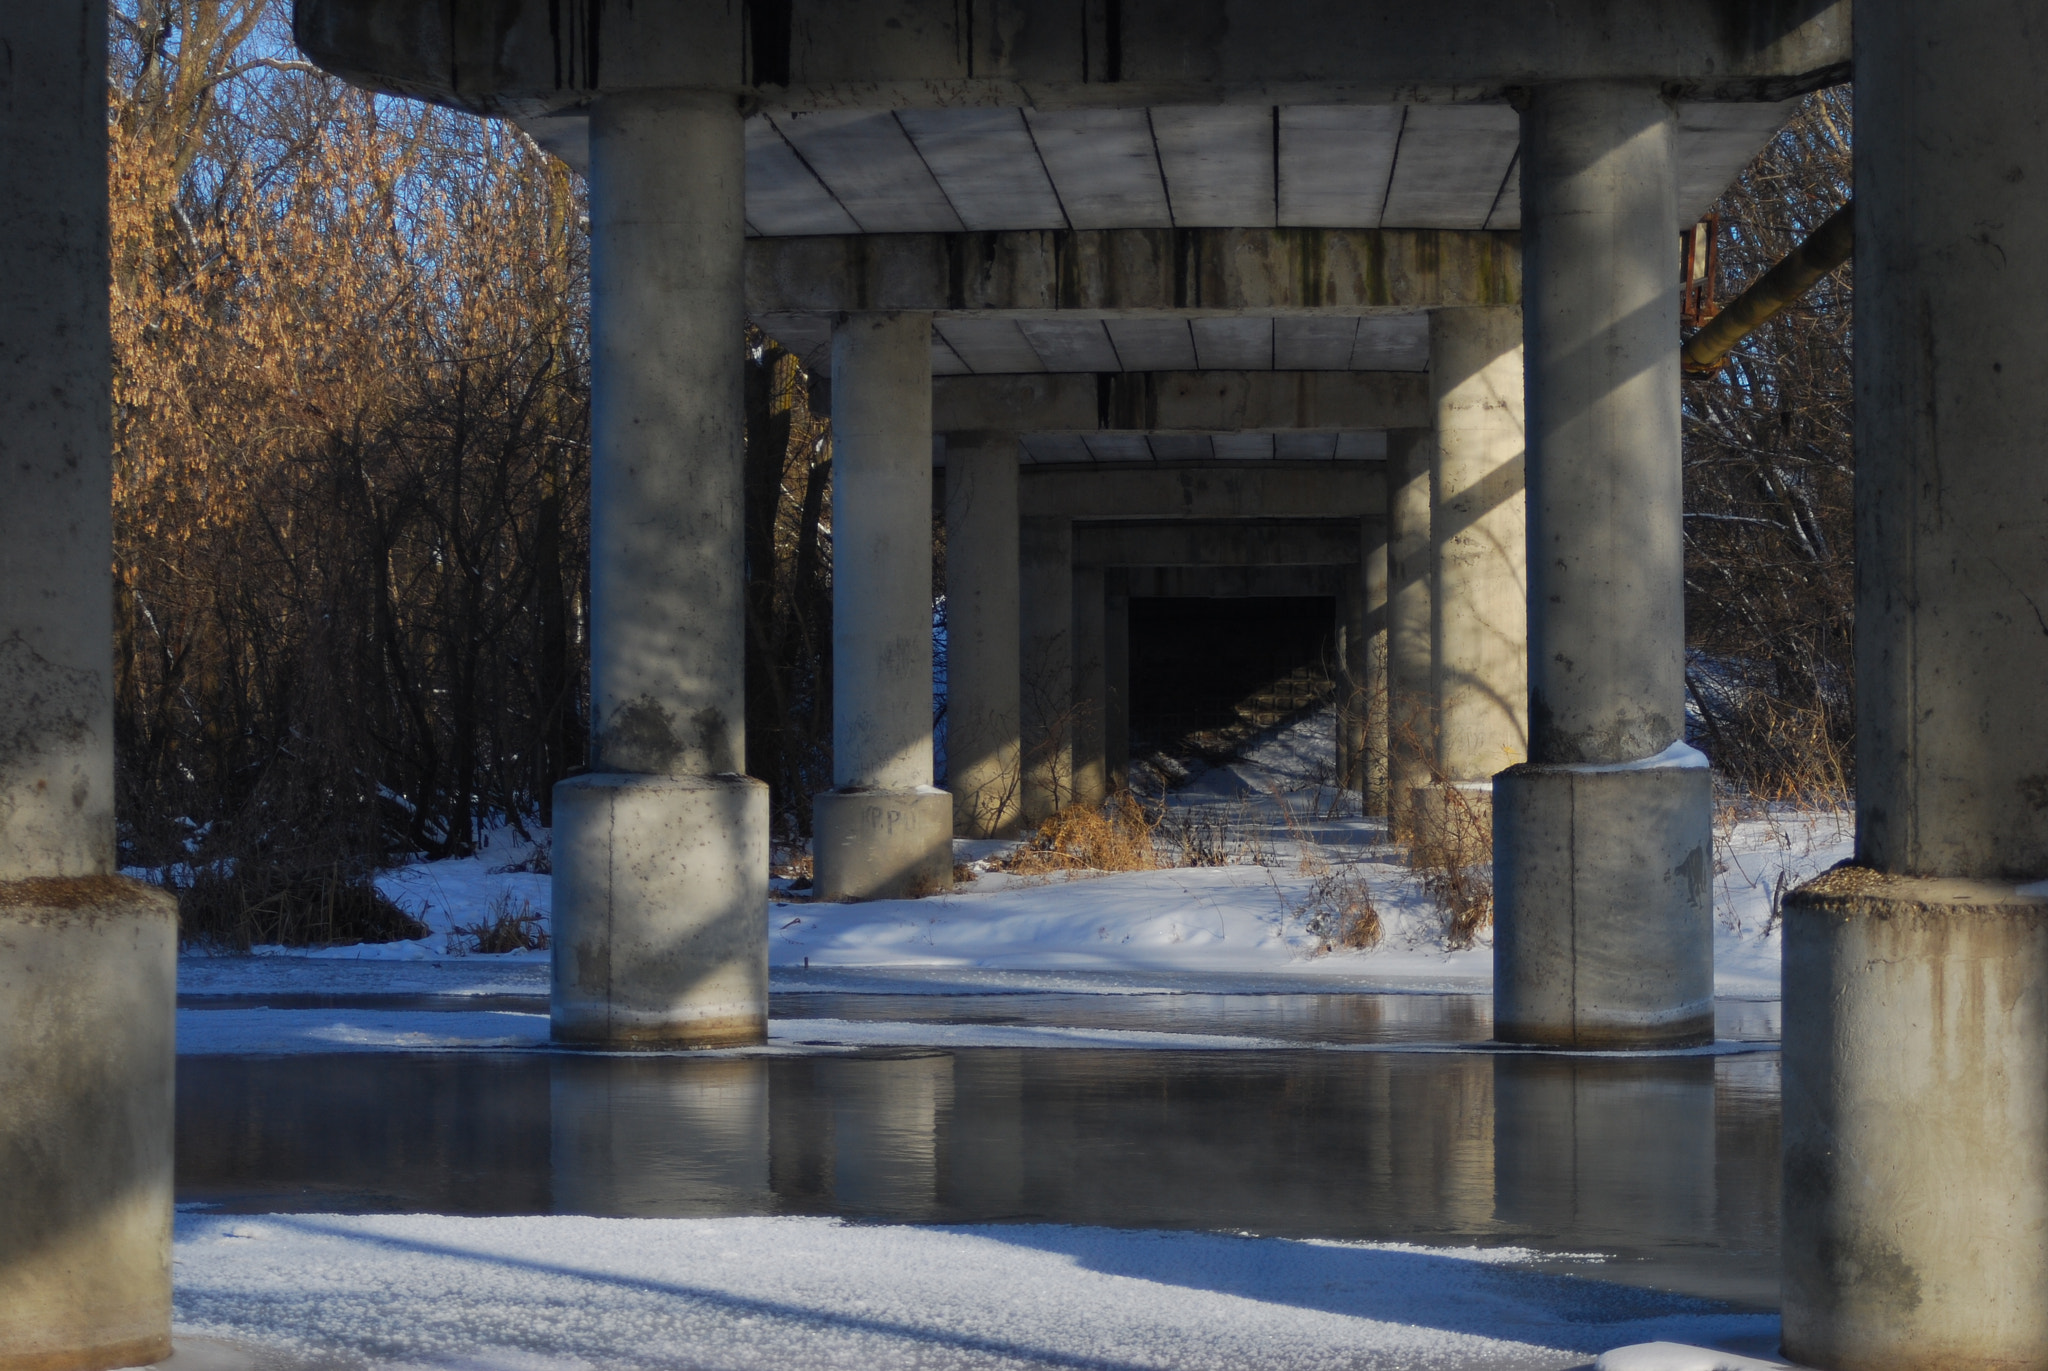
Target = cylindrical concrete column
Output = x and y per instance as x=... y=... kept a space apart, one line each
x=883 y=831
x=1603 y=856
x=982 y=683
x=1411 y=712
x=1374 y=777
x=1480 y=610
x=1091 y=688
x=1352 y=701
x=1045 y=587
x=661 y=852
x=1116 y=675
x=1916 y=1034
x=88 y=961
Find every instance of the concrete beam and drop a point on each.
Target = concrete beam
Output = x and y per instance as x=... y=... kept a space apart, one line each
x=1234 y=582
x=516 y=57
x=1124 y=271
x=1217 y=543
x=1273 y=490
x=1181 y=401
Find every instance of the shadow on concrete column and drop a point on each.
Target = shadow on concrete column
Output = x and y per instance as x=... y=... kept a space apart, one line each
x=1603 y=845
x=1411 y=707
x=883 y=831
x=1091 y=688
x=1116 y=676
x=661 y=852
x=1916 y=1030
x=982 y=682
x=1045 y=586
x=88 y=960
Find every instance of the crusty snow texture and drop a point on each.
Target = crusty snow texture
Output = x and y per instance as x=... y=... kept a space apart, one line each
x=535 y=1294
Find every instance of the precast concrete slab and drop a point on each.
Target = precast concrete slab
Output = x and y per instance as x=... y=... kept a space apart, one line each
x=659 y=884
x=1916 y=1122
x=88 y=992
x=1603 y=904
x=873 y=844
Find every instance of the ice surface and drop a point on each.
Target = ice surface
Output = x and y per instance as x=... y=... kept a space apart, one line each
x=541 y=1293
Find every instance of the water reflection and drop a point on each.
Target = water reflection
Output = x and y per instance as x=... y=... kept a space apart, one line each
x=1669 y=1164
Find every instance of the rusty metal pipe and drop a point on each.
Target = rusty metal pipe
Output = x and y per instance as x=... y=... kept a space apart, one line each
x=1827 y=248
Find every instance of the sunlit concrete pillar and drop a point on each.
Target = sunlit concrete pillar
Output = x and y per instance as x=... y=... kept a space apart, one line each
x=1603 y=854
x=1116 y=675
x=1045 y=586
x=1091 y=688
x=88 y=961
x=982 y=682
x=1480 y=613
x=883 y=831
x=1916 y=1034
x=1411 y=713
x=661 y=851
x=1374 y=770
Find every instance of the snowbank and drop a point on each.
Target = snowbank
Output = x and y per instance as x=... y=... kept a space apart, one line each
x=1275 y=811
x=536 y=1294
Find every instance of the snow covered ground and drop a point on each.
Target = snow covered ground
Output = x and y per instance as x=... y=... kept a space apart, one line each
x=1244 y=920
x=537 y=1294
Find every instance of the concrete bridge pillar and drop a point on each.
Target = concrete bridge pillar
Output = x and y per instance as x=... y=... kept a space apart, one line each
x=1116 y=675
x=1045 y=583
x=661 y=851
x=1353 y=698
x=1411 y=711
x=1603 y=839
x=883 y=831
x=1373 y=771
x=982 y=682
x=1091 y=688
x=88 y=961
x=1916 y=1029
x=1479 y=612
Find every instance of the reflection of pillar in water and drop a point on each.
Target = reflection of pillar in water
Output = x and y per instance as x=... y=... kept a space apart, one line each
x=1439 y=1142
x=1603 y=1147
x=659 y=1138
x=984 y=1175
x=886 y=1121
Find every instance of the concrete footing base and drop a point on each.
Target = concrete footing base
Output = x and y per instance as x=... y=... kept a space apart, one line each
x=881 y=844
x=1916 y=1123
x=660 y=911
x=88 y=1002
x=1452 y=819
x=1603 y=904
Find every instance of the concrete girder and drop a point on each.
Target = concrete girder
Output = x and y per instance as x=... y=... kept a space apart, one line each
x=1293 y=490
x=523 y=57
x=1216 y=542
x=1182 y=401
x=1234 y=582
x=1132 y=271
